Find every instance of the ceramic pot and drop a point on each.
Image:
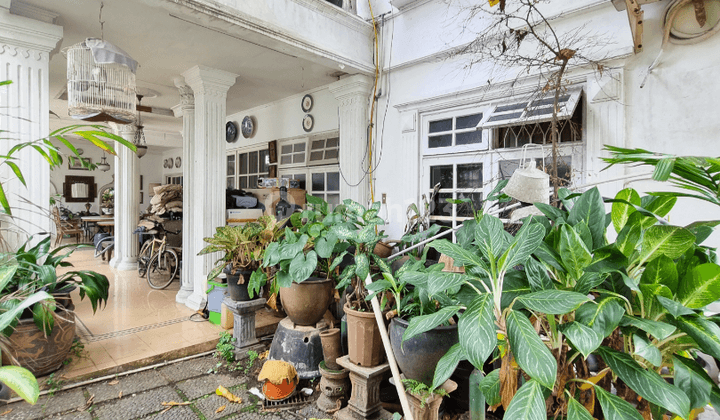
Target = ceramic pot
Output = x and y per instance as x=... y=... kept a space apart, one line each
x=237 y=286
x=364 y=343
x=39 y=354
x=4 y=392
x=418 y=356
x=305 y=303
x=330 y=340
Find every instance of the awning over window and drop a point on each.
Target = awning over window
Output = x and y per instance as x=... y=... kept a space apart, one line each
x=532 y=111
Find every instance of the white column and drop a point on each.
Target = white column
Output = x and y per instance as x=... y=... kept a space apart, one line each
x=25 y=46
x=127 y=200
x=353 y=94
x=186 y=110
x=208 y=155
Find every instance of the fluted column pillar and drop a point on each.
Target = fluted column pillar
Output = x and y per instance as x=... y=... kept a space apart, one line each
x=353 y=94
x=186 y=110
x=127 y=200
x=25 y=46
x=210 y=87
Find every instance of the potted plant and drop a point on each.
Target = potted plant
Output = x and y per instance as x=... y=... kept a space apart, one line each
x=107 y=201
x=307 y=259
x=243 y=249
x=49 y=325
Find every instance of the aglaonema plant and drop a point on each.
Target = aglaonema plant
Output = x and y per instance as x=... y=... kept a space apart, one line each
x=543 y=301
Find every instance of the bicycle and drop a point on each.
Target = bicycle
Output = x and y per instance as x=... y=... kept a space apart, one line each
x=158 y=262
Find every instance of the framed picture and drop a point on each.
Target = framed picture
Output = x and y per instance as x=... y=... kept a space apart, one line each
x=273 y=171
x=272 y=151
x=75 y=163
x=141 y=184
x=141 y=197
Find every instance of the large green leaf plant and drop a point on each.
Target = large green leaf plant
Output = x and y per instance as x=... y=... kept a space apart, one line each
x=542 y=301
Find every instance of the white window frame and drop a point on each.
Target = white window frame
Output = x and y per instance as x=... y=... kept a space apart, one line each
x=292 y=142
x=240 y=151
x=324 y=136
x=454 y=114
x=308 y=171
x=174 y=178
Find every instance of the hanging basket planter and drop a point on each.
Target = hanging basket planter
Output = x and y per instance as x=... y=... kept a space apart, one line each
x=101 y=82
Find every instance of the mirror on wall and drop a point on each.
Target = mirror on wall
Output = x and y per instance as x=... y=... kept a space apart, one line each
x=79 y=189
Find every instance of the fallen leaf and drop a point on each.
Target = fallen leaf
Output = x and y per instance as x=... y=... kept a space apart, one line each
x=173 y=403
x=120 y=394
x=114 y=382
x=223 y=392
x=6 y=412
x=166 y=410
x=220 y=409
x=88 y=403
x=595 y=379
x=264 y=355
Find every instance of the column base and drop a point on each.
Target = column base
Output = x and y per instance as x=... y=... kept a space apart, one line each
x=196 y=301
x=126 y=264
x=182 y=295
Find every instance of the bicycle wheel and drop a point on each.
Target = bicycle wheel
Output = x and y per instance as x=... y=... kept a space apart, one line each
x=162 y=269
x=143 y=260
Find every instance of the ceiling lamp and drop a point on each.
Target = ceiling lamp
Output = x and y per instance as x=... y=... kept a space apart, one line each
x=103 y=165
x=101 y=81
x=529 y=184
x=139 y=140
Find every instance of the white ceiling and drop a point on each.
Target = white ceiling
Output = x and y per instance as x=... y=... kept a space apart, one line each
x=165 y=46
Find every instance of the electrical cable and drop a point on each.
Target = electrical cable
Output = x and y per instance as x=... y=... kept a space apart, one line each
x=372 y=106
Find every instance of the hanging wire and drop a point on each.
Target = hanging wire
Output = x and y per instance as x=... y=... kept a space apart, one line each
x=102 y=22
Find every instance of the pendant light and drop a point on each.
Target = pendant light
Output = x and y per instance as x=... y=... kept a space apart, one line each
x=139 y=140
x=529 y=184
x=101 y=81
x=103 y=165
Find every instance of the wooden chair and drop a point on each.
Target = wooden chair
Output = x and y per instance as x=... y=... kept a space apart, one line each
x=65 y=227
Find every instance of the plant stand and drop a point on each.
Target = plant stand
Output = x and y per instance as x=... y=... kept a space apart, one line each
x=333 y=386
x=428 y=408
x=244 y=323
x=365 y=397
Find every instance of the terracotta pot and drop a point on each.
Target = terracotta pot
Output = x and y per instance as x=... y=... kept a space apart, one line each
x=330 y=340
x=39 y=354
x=364 y=343
x=382 y=250
x=305 y=303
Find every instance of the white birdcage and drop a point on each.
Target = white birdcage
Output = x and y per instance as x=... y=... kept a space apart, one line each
x=101 y=82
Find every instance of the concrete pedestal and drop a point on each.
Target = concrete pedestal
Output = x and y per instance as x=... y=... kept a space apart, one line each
x=365 y=397
x=333 y=387
x=244 y=322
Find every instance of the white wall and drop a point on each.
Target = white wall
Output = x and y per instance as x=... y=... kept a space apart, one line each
x=173 y=154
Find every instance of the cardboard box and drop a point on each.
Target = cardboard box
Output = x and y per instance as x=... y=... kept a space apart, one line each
x=227 y=319
x=270 y=196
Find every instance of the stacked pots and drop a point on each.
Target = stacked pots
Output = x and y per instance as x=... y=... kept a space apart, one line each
x=305 y=303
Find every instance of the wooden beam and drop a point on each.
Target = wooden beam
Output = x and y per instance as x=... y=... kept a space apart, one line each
x=635 y=16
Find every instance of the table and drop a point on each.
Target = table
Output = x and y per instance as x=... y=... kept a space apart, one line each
x=108 y=221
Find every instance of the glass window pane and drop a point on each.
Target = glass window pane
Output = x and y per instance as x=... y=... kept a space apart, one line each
x=264 y=161
x=243 y=164
x=317 y=144
x=231 y=182
x=320 y=196
x=299 y=147
x=441 y=125
x=253 y=181
x=333 y=181
x=564 y=168
x=231 y=165
x=507 y=167
x=331 y=154
x=315 y=156
x=440 y=206
x=333 y=142
x=333 y=199
x=286 y=149
x=284 y=160
x=301 y=178
x=465 y=209
x=468 y=121
x=253 y=167
x=243 y=182
x=440 y=141
x=318 y=182
x=442 y=174
x=469 y=176
x=468 y=137
x=299 y=158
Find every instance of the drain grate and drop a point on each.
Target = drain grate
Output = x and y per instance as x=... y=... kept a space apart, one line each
x=294 y=401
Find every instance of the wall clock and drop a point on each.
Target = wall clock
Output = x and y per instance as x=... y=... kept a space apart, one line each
x=308 y=123
x=231 y=132
x=307 y=103
x=248 y=126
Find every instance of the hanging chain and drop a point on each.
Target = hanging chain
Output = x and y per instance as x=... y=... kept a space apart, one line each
x=102 y=23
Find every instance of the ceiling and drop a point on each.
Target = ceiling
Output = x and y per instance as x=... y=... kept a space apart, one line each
x=165 y=46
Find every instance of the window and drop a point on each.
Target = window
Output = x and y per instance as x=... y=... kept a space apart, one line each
x=536 y=110
x=293 y=153
x=324 y=151
x=174 y=179
x=325 y=184
x=447 y=132
x=245 y=167
x=569 y=130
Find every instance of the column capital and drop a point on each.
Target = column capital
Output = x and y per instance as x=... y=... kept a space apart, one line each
x=121 y=129
x=350 y=87
x=207 y=80
x=26 y=36
x=187 y=98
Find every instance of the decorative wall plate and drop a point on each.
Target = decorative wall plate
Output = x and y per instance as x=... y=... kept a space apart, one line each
x=307 y=103
x=165 y=163
x=248 y=126
x=178 y=161
x=231 y=132
x=308 y=123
